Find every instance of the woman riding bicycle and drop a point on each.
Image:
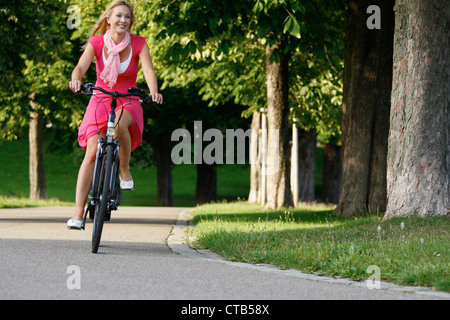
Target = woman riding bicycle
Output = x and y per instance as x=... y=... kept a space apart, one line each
x=117 y=54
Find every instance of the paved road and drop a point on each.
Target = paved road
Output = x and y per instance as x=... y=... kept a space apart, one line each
x=41 y=259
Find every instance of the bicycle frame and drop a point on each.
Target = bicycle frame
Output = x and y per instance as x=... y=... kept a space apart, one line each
x=105 y=191
x=98 y=167
x=101 y=149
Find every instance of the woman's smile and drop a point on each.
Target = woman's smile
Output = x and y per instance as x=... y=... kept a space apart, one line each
x=120 y=19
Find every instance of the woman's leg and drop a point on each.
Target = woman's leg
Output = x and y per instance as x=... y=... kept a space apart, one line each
x=125 y=143
x=84 y=180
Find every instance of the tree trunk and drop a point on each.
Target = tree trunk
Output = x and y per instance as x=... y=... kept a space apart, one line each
x=418 y=174
x=206 y=190
x=255 y=164
x=164 y=169
x=263 y=159
x=307 y=165
x=332 y=173
x=294 y=165
x=38 y=188
x=366 y=104
x=278 y=181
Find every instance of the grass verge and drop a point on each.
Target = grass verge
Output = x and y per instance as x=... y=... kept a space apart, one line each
x=16 y=202
x=409 y=251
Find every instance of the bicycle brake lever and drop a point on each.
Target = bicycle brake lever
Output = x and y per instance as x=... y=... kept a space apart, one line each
x=87 y=88
x=154 y=105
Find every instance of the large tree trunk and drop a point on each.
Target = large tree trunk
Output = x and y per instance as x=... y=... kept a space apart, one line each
x=366 y=104
x=307 y=165
x=206 y=190
x=278 y=181
x=255 y=164
x=164 y=169
x=38 y=189
x=332 y=173
x=418 y=174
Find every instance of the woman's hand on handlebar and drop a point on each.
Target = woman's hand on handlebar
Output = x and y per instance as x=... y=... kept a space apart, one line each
x=75 y=85
x=156 y=97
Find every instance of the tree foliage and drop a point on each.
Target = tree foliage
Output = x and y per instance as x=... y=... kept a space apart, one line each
x=217 y=49
x=36 y=62
x=221 y=49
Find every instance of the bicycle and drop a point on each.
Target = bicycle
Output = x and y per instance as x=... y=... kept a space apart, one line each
x=105 y=193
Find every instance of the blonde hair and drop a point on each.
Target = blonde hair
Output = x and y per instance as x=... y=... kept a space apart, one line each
x=102 y=25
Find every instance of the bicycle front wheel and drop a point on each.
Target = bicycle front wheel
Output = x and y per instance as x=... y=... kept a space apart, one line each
x=102 y=205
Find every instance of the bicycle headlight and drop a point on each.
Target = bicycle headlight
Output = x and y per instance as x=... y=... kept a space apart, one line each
x=110 y=132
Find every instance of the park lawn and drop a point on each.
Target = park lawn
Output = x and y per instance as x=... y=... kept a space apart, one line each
x=61 y=168
x=408 y=251
x=233 y=181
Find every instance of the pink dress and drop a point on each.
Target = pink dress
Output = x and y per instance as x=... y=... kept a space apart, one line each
x=99 y=106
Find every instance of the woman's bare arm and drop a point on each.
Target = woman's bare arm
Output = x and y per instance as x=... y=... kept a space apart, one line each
x=81 y=68
x=149 y=74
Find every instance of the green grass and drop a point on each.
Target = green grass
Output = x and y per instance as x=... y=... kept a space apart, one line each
x=16 y=202
x=232 y=182
x=313 y=240
x=61 y=171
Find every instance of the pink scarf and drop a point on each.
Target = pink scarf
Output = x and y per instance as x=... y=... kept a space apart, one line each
x=111 y=71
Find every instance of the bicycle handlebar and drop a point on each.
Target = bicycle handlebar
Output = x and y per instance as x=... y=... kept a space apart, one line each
x=88 y=89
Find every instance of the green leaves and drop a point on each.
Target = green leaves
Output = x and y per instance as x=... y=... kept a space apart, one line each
x=291 y=25
x=273 y=11
x=222 y=51
x=41 y=60
x=258 y=7
x=178 y=52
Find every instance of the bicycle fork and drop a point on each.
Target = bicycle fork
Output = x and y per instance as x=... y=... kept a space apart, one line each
x=114 y=189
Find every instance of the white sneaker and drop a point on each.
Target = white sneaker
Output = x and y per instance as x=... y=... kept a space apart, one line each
x=74 y=224
x=126 y=185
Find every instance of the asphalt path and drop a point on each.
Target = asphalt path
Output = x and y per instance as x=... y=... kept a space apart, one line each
x=142 y=256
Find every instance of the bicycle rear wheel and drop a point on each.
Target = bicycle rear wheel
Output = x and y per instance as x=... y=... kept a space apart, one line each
x=102 y=205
